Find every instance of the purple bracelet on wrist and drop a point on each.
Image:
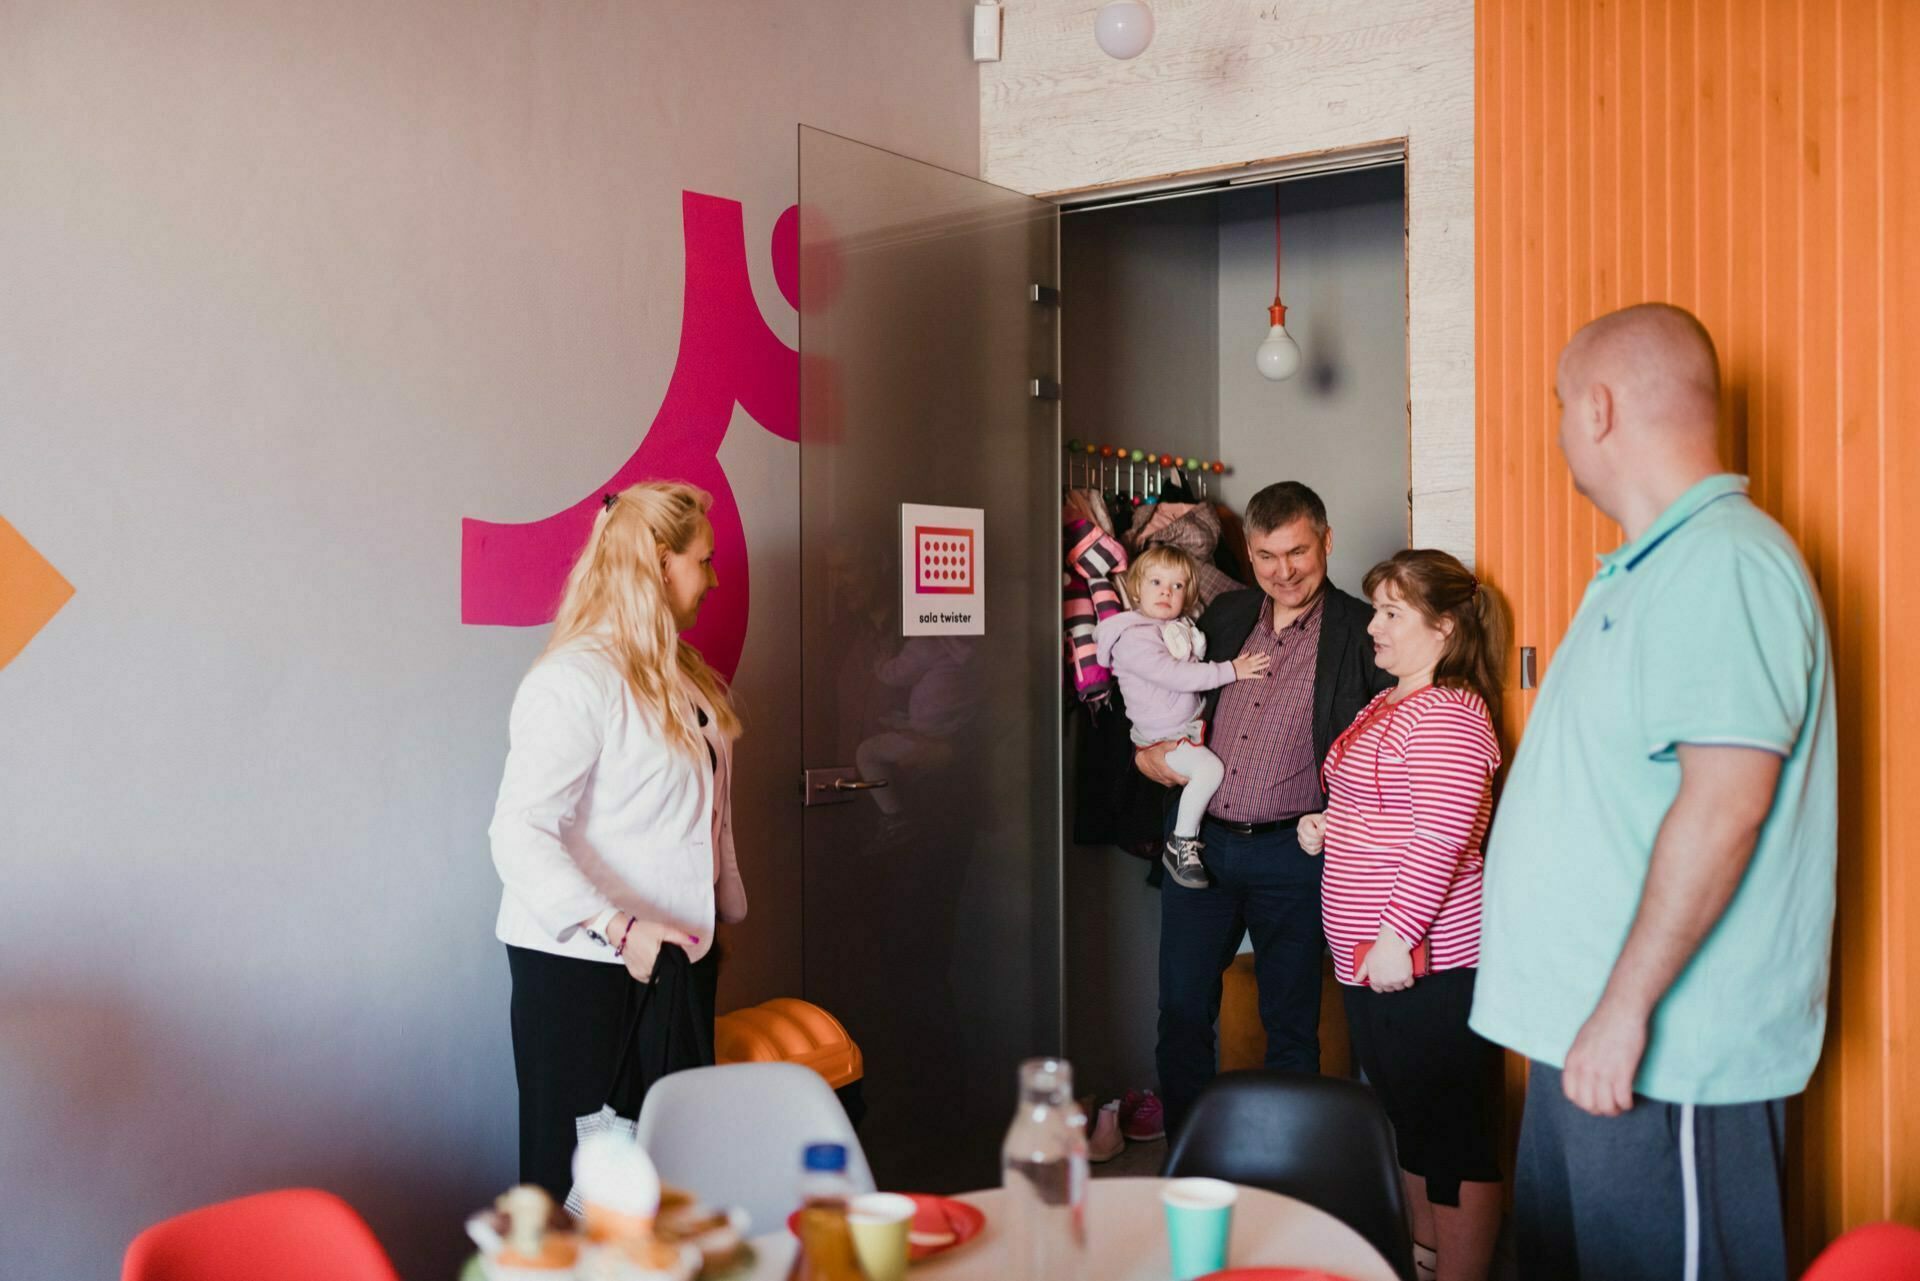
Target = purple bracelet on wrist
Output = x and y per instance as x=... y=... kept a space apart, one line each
x=621 y=946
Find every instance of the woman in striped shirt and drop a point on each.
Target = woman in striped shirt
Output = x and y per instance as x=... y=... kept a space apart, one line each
x=1409 y=793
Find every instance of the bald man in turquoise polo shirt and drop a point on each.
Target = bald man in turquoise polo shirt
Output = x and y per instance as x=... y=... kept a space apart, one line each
x=1660 y=875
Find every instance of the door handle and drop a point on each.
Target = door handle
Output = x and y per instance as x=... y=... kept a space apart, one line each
x=835 y=786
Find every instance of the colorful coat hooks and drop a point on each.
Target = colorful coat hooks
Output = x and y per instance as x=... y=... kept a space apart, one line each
x=1122 y=454
x=1135 y=473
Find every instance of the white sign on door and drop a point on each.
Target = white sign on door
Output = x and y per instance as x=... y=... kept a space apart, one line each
x=943 y=563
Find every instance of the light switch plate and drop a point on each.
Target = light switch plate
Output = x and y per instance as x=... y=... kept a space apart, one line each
x=986 y=32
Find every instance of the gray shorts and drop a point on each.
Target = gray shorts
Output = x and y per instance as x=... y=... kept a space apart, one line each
x=1665 y=1192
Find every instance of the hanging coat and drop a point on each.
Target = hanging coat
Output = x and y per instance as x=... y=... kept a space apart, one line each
x=1091 y=593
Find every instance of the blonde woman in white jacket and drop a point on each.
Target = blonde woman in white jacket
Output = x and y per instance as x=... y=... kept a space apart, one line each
x=613 y=831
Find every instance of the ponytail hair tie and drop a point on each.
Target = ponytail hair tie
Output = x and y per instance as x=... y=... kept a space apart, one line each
x=608 y=500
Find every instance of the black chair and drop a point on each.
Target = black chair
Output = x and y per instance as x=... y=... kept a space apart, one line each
x=1318 y=1139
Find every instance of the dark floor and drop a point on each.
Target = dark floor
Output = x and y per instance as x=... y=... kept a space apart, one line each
x=1139 y=1160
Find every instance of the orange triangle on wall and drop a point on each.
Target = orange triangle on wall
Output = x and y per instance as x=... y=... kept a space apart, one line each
x=31 y=592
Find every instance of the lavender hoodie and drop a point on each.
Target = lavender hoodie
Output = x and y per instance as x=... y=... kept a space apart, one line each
x=1162 y=675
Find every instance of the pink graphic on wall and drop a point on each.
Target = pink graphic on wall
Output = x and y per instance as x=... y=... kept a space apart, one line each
x=511 y=575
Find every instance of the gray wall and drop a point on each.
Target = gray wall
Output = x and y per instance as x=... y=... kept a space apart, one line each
x=1140 y=349
x=286 y=291
x=1340 y=424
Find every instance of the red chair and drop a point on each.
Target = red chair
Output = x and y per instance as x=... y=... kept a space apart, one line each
x=1871 y=1252
x=300 y=1234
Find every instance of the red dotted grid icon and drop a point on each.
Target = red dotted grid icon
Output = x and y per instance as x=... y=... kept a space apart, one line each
x=943 y=561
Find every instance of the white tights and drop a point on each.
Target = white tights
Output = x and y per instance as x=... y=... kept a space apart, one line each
x=1205 y=772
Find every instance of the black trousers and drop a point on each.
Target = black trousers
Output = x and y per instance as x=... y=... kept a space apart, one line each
x=570 y=1020
x=1438 y=1079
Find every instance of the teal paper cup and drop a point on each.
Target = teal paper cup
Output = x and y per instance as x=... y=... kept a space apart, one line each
x=1199 y=1221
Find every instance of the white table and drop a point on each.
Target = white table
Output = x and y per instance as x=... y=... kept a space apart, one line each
x=1127 y=1239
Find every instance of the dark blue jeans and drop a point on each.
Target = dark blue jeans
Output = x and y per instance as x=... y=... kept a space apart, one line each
x=1264 y=886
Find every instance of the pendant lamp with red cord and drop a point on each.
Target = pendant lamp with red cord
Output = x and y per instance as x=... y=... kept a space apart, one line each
x=1279 y=356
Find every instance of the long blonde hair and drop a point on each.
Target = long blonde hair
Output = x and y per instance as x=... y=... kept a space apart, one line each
x=616 y=598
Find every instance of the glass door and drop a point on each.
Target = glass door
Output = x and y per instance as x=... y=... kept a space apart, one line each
x=929 y=341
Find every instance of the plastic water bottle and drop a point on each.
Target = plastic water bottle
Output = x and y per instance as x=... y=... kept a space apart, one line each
x=1043 y=1168
x=826 y=1242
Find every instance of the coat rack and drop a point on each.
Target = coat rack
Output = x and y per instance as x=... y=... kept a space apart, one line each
x=1135 y=473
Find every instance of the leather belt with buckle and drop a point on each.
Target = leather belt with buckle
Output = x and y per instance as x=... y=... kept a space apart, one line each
x=1255 y=829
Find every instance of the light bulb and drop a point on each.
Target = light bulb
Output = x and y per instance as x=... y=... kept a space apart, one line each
x=1124 y=28
x=1278 y=358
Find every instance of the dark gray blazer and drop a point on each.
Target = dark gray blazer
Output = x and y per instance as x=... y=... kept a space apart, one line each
x=1344 y=676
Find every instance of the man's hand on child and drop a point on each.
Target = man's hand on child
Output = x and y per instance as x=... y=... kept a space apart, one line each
x=1152 y=761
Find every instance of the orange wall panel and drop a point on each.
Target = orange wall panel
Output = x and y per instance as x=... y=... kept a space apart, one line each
x=1754 y=162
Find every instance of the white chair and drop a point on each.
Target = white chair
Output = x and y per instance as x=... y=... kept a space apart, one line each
x=734 y=1135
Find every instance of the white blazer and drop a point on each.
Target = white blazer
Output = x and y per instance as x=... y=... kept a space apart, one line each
x=596 y=810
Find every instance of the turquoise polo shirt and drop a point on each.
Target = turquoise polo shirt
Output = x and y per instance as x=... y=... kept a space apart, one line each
x=1707 y=630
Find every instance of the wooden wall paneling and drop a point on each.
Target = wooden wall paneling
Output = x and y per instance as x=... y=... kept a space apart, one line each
x=1818 y=284
x=1524 y=382
x=1753 y=162
x=1896 y=42
x=1682 y=179
x=1808 y=346
x=1556 y=198
x=1656 y=142
x=1853 y=260
x=1713 y=259
x=1573 y=124
x=1524 y=388
x=1780 y=299
x=1744 y=137
x=1490 y=502
x=1631 y=154
x=1609 y=200
x=1483 y=516
x=1503 y=203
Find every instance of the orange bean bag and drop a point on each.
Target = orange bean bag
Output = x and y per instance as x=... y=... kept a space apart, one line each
x=789 y=1030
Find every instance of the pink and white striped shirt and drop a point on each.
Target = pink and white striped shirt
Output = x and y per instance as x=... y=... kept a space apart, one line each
x=1409 y=793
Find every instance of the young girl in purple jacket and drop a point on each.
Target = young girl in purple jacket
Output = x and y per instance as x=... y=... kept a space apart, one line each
x=1159 y=656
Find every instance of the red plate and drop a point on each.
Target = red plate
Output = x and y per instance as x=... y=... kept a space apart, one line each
x=939 y=1224
x=1273 y=1274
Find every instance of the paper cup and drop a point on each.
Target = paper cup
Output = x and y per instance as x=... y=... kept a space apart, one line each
x=880 y=1222
x=1199 y=1221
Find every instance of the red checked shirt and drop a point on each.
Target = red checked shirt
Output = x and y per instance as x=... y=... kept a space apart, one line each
x=1263 y=729
x=1409 y=793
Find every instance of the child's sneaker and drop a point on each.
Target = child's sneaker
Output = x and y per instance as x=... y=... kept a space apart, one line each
x=1142 y=1118
x=1181 y=858
x=1105 y=1142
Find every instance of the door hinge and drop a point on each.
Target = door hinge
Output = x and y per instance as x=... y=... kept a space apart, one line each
x=1043 y=389
x=1045 y=295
